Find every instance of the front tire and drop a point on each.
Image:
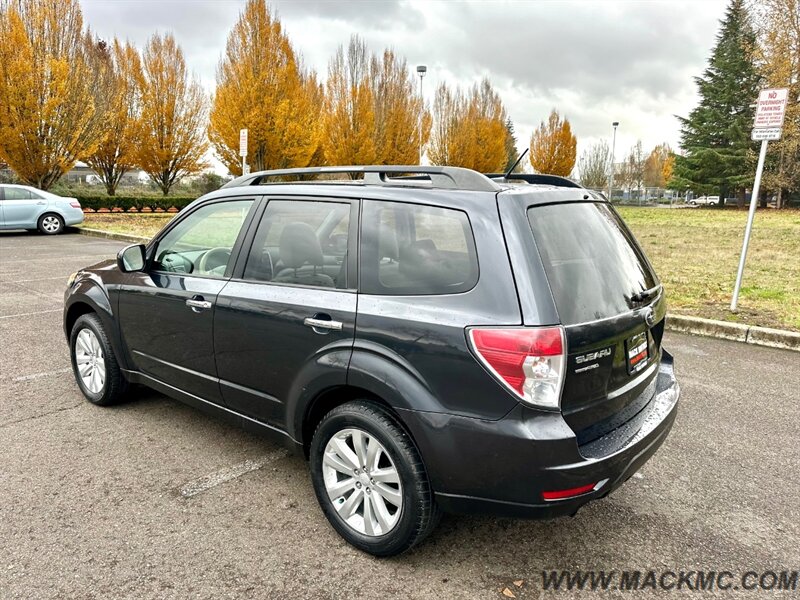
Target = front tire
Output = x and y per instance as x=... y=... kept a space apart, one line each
x=370 y=481
x=94 y=364
x=51 y=224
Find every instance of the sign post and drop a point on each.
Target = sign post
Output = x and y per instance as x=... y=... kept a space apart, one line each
x=243 y=151
x=770 y=111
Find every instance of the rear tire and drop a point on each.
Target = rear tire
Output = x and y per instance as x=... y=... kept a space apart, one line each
x=94 y=364
x=376 y=524
x=50 y=224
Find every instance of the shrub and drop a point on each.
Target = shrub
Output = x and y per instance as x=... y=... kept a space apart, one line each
x=136 y=203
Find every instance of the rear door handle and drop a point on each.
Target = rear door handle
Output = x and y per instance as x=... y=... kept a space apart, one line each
x=197 y=304
x=41 y=203
x=322 y=324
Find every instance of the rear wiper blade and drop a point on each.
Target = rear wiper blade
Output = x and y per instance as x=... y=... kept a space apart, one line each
x=645 y=295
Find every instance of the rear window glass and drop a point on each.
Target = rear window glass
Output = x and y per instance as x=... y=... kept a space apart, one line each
x=412 y=249
x=592 y=262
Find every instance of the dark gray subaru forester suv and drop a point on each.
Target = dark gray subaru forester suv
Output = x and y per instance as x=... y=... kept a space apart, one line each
x=431 y=339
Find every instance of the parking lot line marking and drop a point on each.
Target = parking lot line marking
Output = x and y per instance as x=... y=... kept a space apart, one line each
x=30 y=280
x=43 y=374
x=57 y=256
x=30 y=314
x=198 y=486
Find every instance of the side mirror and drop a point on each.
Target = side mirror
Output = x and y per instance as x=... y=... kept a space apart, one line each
x=131 y=258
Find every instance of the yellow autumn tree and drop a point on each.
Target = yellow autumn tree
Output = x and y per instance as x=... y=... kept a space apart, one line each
x=174 y=108
x=658 y=166
x=402 y=123
x=372 y=112
x=49 y=115
x=778 y=55
x=349 y=134
x=263 y=87
x=469 y=130
x=553 y=147
x=120 y=69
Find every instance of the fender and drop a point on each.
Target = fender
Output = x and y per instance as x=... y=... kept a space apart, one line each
x=326 y=369
x=88 y=289
x=391 y=377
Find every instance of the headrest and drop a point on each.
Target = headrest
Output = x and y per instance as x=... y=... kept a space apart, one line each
x=387 y=243
x=299 y=245
x=420 y=259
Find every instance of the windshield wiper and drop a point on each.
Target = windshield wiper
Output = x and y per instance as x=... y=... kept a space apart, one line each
x=646 y=295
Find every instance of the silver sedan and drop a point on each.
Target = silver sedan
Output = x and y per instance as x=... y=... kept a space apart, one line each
x=25 y=207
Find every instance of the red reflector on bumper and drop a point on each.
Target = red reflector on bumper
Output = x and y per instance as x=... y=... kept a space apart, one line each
x=570 y=493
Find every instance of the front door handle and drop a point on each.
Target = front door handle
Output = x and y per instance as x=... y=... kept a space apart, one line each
x=197 y=304
x=322 y=324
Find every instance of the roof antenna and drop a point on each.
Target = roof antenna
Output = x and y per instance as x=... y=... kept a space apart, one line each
x=514 y=166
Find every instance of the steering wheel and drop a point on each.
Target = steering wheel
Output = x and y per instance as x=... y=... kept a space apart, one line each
x=213 y=261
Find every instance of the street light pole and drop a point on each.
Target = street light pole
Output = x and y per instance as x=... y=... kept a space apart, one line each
x=421 y=71
x=615 y=124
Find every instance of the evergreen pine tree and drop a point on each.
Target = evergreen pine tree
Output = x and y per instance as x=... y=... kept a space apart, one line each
x=719 y=156
x=511 y=148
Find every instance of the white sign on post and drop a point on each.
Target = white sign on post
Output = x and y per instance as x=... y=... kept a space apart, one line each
x=771 y=108
x=766 y=133
x=770 y=111
x=243 y=142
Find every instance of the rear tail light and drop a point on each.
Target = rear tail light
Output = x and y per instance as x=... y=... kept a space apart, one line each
x=529 y=361
x=75 y=204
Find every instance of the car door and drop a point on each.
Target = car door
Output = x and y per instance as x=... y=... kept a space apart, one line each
x=22 y=207
x=286 y=321
x=166 y=312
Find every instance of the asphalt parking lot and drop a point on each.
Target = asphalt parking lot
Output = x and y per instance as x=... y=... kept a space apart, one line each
x=152 y=499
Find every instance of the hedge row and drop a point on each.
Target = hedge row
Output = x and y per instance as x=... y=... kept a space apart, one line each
x=134 y=203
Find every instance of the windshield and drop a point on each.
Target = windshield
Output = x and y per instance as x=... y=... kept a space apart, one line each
x=592 y=262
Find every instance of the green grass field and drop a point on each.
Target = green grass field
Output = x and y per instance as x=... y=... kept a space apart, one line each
x=694 y=251
x=696 y=254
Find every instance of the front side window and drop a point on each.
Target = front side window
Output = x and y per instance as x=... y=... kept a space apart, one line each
x=201 y=244
x=12 y=193
x=301 y=243
x=412 y=249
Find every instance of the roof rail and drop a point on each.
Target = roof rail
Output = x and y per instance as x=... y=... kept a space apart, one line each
x=450 y=178
x=534 y=178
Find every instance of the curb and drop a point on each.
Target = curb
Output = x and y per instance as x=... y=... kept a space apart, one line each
x=121 y=237
x=737 y=332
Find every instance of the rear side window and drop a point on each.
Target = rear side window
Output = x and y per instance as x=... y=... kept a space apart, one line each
x=592 y=262
x=301 y=242
x=411 y=249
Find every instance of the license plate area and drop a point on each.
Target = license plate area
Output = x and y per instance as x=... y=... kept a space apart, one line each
x=637 y=351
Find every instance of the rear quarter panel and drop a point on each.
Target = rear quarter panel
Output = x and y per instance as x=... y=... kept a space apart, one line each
x=412 y=350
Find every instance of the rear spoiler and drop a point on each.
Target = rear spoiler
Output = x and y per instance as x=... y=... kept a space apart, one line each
x=534 y=178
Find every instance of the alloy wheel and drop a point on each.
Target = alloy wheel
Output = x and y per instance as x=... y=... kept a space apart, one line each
x=90 y=361
x=362 y=482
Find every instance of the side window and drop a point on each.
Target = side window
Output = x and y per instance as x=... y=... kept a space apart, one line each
x=201 y=243
x=301 y=242
x=411 y=249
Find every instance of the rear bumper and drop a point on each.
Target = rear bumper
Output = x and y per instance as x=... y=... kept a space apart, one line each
x=72 y=216
x=502 y=467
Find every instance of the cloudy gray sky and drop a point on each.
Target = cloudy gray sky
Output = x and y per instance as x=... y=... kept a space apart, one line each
x=595 y=61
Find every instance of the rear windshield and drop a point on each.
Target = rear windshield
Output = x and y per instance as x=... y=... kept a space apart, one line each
x=592 y=262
